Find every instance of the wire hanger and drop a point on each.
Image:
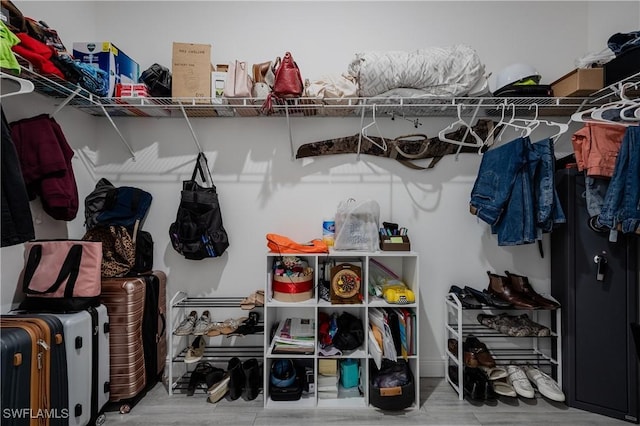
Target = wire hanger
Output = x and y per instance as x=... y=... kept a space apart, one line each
x=26 y=86
x=365 y=135
x=460 y=123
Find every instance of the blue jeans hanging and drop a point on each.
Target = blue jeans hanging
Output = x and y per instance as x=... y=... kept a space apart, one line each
x=622 y=201
x=515 y=191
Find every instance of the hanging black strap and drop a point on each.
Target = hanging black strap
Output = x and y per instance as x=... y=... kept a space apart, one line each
x=70 y=269
x=200 y=169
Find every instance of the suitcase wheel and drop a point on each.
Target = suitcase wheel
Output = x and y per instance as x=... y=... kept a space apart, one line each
x=125 y=409
x=102 y=418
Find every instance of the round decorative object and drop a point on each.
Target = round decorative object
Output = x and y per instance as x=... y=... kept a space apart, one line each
x=345 y=283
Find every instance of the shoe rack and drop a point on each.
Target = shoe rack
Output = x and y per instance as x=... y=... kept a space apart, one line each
x=403 y=263
x=219 y=349
x=538 y=351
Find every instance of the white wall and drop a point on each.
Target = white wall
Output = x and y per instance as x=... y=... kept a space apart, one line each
x=261 y=189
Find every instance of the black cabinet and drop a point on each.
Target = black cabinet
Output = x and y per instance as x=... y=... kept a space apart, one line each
x=600 y=365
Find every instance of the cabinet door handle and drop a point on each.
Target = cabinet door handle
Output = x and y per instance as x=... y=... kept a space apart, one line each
x=601 y=261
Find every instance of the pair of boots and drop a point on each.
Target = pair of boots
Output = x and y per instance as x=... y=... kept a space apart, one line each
x=245 y=379
x=517 y=290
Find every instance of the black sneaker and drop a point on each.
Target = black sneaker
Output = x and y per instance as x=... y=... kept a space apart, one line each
x=466 y=299
x=487 y=298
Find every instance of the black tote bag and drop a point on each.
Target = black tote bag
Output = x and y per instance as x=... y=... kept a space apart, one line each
x=197 y=232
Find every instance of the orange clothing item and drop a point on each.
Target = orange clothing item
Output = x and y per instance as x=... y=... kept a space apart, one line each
x=596 y=147
x=281 y=244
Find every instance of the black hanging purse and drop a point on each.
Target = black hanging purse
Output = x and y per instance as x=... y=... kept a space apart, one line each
x=197 y=232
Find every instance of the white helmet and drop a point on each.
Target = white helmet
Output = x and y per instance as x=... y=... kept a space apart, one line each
x=513 y=74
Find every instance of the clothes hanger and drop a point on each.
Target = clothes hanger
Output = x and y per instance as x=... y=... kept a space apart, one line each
x=621 y=104
x=562 y=129
x=633 y=108
x=533 y=124
x=594 y=115
x=529 y=123
x=525 y=130
x=461 y=123
x=374 y=123
x=26 y=86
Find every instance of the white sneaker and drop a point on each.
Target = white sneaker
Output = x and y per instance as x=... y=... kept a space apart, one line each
x=203 y=324
x=545 y=384
x=518 y=379
x=186 y=326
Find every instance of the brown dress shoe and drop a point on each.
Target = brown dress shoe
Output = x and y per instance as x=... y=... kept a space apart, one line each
x=500 y=286
x=520 y=283
x=470 y=359
x=480 y=351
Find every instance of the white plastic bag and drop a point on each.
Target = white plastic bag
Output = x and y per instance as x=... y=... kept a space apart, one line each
x=357 y=225
x=333 y=87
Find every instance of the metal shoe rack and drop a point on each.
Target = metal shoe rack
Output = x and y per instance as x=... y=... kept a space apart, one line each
x=542 y=352
x=218 y=349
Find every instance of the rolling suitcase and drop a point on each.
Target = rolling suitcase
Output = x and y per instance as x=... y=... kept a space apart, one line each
x=87 y=349
x=46 y=361
x=18 y=368
x=125 y=299
x=137 y=359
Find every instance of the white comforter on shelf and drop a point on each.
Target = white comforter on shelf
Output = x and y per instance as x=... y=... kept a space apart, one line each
x=440 y=71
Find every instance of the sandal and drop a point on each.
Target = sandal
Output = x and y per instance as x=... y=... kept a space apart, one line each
x=231 y=325
x=248 y=326
x=215 y=328
x=255 y=299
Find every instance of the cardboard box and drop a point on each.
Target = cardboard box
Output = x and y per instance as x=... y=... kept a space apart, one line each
x=579 y=82
x=138 y=96
x=191 y=71
x=133 y=90
x=395 y=243
x=107 y=57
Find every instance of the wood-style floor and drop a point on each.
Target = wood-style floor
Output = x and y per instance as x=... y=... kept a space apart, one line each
x=439 y=405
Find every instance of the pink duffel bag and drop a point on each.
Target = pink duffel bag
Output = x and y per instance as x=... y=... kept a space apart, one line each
x=61 y=275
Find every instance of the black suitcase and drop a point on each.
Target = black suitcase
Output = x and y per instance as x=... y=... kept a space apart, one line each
x=52 y=407
x=16 y=359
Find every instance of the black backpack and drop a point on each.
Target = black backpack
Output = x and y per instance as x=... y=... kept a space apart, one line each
x=110 y=205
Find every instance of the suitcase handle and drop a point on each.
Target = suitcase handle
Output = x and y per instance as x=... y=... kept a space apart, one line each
x=164 y=324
